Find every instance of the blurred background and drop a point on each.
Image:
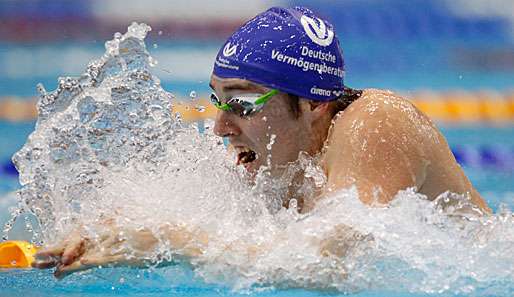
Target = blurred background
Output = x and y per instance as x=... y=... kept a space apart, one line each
x=453 y=58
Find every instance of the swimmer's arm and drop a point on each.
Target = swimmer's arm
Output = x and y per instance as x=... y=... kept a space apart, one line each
x=375 y=149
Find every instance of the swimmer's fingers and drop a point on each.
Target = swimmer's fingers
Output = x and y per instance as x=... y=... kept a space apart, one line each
x=80 y=255
x=74 y=250
x=89 y=263
x=51 y=255
x=62 y=270
x=45 y=263
x=48 y=257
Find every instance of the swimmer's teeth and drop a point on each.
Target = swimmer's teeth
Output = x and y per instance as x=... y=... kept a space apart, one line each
x=245 y=155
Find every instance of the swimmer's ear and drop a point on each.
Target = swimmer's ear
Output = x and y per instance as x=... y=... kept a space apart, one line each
x=307 y=105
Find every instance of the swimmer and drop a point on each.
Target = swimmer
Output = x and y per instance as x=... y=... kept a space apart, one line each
x=280 y=79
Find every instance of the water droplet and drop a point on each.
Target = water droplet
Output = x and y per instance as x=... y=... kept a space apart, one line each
x=293 y=204
x=41 y=89
x=155 y=45
x=271 y=142
x=192 y=95
x=13 y=262
x=159 y=33
x=152 y=61
x=200 y=108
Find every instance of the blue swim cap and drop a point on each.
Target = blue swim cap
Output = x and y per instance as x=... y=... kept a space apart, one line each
x=289 y=49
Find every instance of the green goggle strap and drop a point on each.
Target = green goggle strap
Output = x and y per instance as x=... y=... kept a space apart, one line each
x=264 y=98
x=223 y=106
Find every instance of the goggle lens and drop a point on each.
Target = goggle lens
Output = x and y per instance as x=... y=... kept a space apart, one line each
x=244 y=105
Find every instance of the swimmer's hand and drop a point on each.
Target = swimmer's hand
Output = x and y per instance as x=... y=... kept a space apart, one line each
x=115 y=246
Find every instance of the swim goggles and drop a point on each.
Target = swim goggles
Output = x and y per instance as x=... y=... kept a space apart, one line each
x=244 y=105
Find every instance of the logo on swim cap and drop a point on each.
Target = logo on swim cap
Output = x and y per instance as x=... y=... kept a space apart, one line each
x=319 y=34
x=337 y=92
x=229 y=50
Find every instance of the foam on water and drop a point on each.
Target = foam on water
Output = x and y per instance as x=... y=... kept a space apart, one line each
x=107 y=144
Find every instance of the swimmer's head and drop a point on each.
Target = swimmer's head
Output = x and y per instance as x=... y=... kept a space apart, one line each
x=275 y=82
x=288 y=49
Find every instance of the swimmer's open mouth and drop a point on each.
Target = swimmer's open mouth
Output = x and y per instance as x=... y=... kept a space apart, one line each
x=245 y=155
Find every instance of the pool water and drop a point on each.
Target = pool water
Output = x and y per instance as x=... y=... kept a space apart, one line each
x=158 y=283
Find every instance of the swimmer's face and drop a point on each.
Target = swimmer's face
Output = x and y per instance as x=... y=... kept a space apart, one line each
x=275 y=133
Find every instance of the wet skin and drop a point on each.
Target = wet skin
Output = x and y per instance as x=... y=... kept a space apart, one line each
x=381 y=144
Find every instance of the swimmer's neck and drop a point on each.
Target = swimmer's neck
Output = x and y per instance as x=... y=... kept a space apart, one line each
x=319 y=140
x=322 y=128
x=295 y=196
x=324 y=131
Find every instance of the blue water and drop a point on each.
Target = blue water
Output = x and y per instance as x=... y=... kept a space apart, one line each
x=169 y=281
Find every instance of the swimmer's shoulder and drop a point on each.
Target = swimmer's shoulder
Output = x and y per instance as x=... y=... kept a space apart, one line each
x=373 y=143
x=380 y=118
x=373 y=101
x=376 y=106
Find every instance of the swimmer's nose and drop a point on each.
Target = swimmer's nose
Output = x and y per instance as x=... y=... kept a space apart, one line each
x=225 y=125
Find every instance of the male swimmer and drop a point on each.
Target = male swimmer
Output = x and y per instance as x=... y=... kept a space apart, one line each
x=281 y=75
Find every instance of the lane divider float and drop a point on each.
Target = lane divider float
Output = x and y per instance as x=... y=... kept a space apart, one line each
x=16 y=254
